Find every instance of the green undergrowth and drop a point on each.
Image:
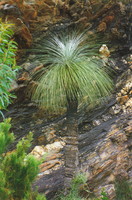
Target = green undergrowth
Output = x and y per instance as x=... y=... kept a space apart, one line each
x=18 y=169
x=75 y=193
x=123 y=190
x=74 y=190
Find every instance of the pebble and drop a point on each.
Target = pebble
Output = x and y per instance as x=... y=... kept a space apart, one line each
x=96 y=122
x=115 y=109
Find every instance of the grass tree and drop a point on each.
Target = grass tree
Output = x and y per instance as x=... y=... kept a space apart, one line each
x=72 y=75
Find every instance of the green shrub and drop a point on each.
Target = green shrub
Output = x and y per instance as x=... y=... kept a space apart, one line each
x=17 y=169
x=5 y=137
x=104 y=196
x=8 y=67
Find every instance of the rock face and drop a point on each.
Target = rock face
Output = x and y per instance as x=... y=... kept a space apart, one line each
x=105 y=140
x=105 y=150
x=105 y=153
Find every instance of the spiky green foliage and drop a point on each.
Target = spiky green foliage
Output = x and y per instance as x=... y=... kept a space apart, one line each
x=4 y=192
x=5 y=136
x=73 y=73
x=5 y=139
x=18 y=172
x=17 y=169
x=8 y=66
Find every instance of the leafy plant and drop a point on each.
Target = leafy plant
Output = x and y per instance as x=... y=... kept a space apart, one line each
x=8 y=67
x=104 y=195
x=40 y=197
x=17 y=169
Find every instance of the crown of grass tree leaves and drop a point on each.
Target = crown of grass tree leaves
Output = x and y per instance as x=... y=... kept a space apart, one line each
x=74 y=71
x=8 y=68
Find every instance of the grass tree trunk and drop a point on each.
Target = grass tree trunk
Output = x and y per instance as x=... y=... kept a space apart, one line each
x=71 y=147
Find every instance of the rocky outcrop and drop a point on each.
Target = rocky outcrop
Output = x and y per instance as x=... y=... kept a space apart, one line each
x=36 y=16
x=25 y=14
x=105 y=151
x=105 y=154
x=105 y=139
